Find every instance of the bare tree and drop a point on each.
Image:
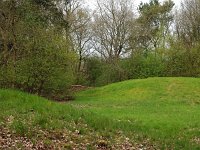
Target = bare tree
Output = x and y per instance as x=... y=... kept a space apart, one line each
x=69 y=8
x=78 y=21
x=188 y=22
x=111 y=28
x=81 y=34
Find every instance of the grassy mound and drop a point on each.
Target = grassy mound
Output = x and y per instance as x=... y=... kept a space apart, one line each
x=164 y=109
x=149 y=113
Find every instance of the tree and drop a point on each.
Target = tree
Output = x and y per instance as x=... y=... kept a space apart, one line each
x=8 y=19
x=81 y=35
x=36 y=56
x=111 y=28
x=188 y=22
x=183 y=58
x=69 y=8
x=152 y=25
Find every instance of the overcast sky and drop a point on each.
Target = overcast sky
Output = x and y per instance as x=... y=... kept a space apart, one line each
x=91 y=3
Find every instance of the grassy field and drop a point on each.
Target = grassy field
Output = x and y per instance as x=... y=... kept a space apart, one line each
x=164 y=112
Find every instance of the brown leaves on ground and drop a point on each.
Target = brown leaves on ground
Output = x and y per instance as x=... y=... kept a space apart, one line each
x=76 y=136
x=70 y=138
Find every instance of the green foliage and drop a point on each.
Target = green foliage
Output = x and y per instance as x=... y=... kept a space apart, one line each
x=48 y=67
x=111 y=72
x=100 y=72
x=142 y=67
x=39 y=59
x=93 y=69
x=135 y=67
x=183 y=62
x=152 y=25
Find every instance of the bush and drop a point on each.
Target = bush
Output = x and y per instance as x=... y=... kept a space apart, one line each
x=44 y=65
x=139 y=66
x=183 y=62
x=93 y=69
x=99 y=72
x=112 y=72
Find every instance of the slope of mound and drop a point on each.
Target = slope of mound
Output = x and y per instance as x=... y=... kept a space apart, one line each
x=166 y=109
x=32 y=122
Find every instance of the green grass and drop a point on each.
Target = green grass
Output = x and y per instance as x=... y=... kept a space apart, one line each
x=166 y=110
x=30 y=110
x=27 y=115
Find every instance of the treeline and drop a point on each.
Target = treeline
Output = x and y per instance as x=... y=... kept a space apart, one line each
x=46 y=46
x=159 y=40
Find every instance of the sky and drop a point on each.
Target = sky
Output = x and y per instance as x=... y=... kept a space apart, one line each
x=91 y=3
